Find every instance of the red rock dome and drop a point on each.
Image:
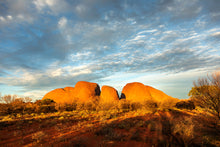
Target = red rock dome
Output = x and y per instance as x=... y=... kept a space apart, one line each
x=86 y=91
x=60 y=95
x=138 y=92
x=135 y=92
x=108 y=94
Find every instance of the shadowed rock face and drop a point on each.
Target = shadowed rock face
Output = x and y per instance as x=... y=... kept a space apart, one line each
x=108 y=94
x=136 y=92
x=61 y=95
x=86 y=91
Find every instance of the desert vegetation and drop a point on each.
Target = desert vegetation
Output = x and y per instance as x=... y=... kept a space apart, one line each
x=206 y=93
x=99 y=121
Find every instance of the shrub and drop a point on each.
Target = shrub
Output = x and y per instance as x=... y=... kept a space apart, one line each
x=124 y=105
x=45 y=106
x=5 y=109
x=206 y=92
x=183 y=130
x=150 y=104
x=135 y=106
x=185 y=105
x=46 y=102
x=46 y=109
x=66 y=107
x=18 y=106
x=38 y=136
x=8 y=98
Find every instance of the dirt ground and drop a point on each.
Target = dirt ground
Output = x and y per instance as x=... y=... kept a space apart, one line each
x=160 y=128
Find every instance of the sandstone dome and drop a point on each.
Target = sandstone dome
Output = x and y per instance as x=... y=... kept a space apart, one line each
x=136 y=92
x=86 y=91
x=157 y=95
x=82 y=92
x=69 y=89
x=61 y=95
x=108 y=94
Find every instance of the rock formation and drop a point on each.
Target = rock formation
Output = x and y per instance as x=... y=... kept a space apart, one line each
x=138 y=92
x=86 y=91
x=61 y=95
x=135 y=92
x=83 y=92
x=108 y=94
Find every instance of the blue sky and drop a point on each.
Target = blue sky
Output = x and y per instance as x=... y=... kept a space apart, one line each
x=48 y=44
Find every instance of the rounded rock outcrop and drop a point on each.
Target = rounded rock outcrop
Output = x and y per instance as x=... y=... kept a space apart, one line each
x=135 y=92
x=86 y=91
x=60 y=95
x=108 y=94
x=157 y=95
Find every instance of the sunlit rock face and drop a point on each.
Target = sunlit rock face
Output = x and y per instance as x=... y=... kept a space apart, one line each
x=82 y=92
x=61 y=95
x=69 y=89
x=108 y=94
x=161 y=98
x=157 y=95
x=138 y=92
x=135 y=92
x=86 y=91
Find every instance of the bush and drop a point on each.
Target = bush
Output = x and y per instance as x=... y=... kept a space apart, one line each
x=45 y=106
x=46 y=109
x=66 y=107
x=183 y=130
x=124 y=105
x=185 y=105
x=5 y=109
x=46 y=102
x=206 y=92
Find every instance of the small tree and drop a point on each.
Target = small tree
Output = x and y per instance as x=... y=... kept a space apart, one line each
x=206 y=93
x=27 y=99
x=8 y=98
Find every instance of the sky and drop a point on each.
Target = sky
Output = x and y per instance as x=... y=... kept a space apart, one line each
x=49 y=44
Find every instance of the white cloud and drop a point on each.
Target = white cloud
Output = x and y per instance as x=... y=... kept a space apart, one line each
x=41 y=4
x=6 y=19
x=62 y=22
x=53 y=7
x=56 y=72
x=2 y=19
x=147 y=31
x=216 y=34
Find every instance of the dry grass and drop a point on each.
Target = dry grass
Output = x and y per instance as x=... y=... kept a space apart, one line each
x=119 y=123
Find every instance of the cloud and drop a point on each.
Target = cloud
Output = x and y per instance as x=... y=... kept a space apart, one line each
x=216 y=34
x=47 y=44
x=16 y=12
x=35 y=53
x=62 y=22
x=51 y=78
x=52 y=7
